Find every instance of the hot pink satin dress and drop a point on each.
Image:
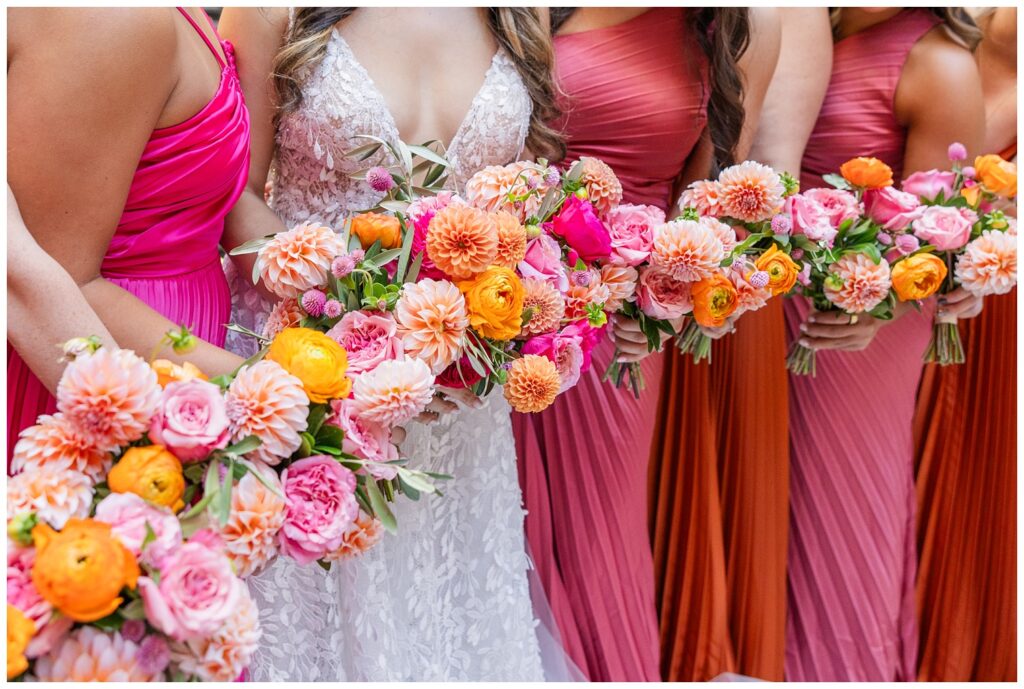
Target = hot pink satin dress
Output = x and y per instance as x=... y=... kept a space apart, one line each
x=636 y=98
x=852 y=556
x=164 y=250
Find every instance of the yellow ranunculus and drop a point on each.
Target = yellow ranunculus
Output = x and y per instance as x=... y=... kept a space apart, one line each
x=81 y=569
x=315 y=359
x=494 y=300
x=370 y=227
x=782 y=270
x=20 y=630
x=867 y=173
x=152 y=473
x=918 y=276
x=714 y=300
x=996 y=175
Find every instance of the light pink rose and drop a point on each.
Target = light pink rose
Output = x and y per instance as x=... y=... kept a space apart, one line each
x=365 y=439
x=632 y=232
x=891 y=208
x=321 y=506
x=543 y=261
x=128 y=515
x=944 y=227
x=196 y=595
x=191 y=420
x=810 y=219
x=368 y=340
x=659 y=295
x=928 y=185
x=839 y=205
x=907 y=244
x=22 y=594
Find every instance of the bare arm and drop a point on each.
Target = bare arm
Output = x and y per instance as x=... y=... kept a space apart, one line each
x=756 y=66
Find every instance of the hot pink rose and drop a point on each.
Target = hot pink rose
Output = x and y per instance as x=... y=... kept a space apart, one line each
x=459 y=375
x=928 y=185
x=420 y=212
x=891 y=208
x=321 y=506
x=659 y=295
x=543 y=261
x=839 y=205
x=578 y=224
x=944 y=227
x=368 y=339
x=365 y=439
x=196 y=595
x=570 y=350
x=128 y=516
x=22 y=594
x=191 y=420
x=810 y=219
x=632 y=232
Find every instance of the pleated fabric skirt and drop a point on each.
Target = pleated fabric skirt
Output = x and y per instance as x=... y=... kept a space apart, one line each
x=966 y=440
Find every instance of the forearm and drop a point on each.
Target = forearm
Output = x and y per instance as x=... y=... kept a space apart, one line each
x=251 y=218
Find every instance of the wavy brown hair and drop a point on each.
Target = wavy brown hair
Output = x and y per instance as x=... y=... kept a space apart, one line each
x=519 y=30
x=723 y=34
x=957 y=21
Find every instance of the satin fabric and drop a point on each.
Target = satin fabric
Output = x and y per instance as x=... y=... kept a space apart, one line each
x=636 y=97
x=852 y=555
x=164 y=250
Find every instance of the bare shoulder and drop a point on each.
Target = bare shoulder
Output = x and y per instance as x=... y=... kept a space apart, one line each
x=766 y=20
x=261 y=21
x=940 y=56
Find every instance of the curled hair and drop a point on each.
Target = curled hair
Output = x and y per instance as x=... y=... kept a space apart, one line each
x=958 y=22
x=518 y=30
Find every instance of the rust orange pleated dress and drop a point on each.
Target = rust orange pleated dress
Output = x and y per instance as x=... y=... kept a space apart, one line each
x=966 y=441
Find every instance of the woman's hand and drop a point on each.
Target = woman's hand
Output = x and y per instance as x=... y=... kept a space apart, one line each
x=959 y=304
x=839 y=330
x=629 y=340
x=444 y=402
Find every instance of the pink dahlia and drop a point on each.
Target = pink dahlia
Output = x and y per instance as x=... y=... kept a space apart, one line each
x=725 y=233
x=432 y=322
x=603 y=188
x=364 y=533
x=286 y=314
x=224 y=656
x=752 y=292
x=266 y=401
x=54 y=442
x=585 y=289
x=298 y=259
x=545 y=305
x=257 y=514
x=988 y=264
x=395 y=392
x=507 y=187
x=864 y=283
x=55 y=495
x=705 y=197
x=621 y=284
x=750 y=191
x=89 y=655
x=687 y=250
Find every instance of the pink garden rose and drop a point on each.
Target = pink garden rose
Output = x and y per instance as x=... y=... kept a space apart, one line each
x=570 y=350
x=944 y=227
x=659 y=295
x=891 y=208
x=367 y=339
x=365 y=439
x=22 y=594
x=191 y=420
x=839 y=205
x=128 y=515
x=321 y=506
x=810 y=219
x=632 y=232
x=197 y=592
x=928 y=185
x=543 y=261
x=578 y=224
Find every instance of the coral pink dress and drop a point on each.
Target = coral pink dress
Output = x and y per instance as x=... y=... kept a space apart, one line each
x=852 y=551
x=636 y=98
x=164 y=250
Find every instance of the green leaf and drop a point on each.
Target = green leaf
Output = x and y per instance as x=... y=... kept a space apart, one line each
x=837 y=181
x=327 y=450
x=406 y=252
x=316 y=418
x=363 y=152
x=222 y=501
x=414 y=269
x=209 y=491
x=405 y=155
x=380 y=507
x=251 y=247
x=110 y=623
x=395 y=206
x=331 y=436
x=326 y=566
x=386 y=257
x=148 y=538
x=433 y=175
x=416 y=480
x=243 y=446
x=424 y=152
x=135 y=610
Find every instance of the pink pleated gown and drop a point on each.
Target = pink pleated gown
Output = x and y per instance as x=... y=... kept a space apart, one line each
x=852 y=554
x=164 y=250
x=635 y=97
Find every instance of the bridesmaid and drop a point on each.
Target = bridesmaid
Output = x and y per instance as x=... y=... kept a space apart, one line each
x=966 y=439
x=128 y=143
x=904 y=86
x=639 y=89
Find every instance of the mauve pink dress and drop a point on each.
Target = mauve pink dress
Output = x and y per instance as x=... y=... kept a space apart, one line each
x=852 y=556
x=164 y=250
x=636 y=98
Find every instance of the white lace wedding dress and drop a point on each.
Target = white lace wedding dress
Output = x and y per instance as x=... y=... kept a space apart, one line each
x=446 y=598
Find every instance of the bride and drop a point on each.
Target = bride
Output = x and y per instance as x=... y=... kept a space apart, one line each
x=447 y=598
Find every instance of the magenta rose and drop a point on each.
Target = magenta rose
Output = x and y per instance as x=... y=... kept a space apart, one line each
x=570 y=350
x=365 y=439
x=891 y=208
x=368 y=340
x=321 y=506
x=928 y=185
x=838 y=205
x=128 y=516
x=543 y=261
x=659 y=295
x=944 y=227
x=420 y=213
x=631 y=228
x=191 y=420
x=810 y=219
x=459 y=375
x=22 y=594
x=578 y=224
x=196 y=595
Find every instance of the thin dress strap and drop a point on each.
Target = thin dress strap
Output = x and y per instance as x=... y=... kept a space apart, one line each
x=202 y=34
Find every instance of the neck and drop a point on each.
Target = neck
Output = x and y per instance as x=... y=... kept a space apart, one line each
x=999 y=28
x=853 y=20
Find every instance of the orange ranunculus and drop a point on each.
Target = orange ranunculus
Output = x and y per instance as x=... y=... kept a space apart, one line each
x=972 y=194
x=20 y=631
x=170 y=372
x=152 y=473
x=782 y=270
x=315 y=359
x=714 y=300
x=370 y=227
x=867 y=173
x=81 y=569
x=918 y=276
x=996 y=175
x=494 y=300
